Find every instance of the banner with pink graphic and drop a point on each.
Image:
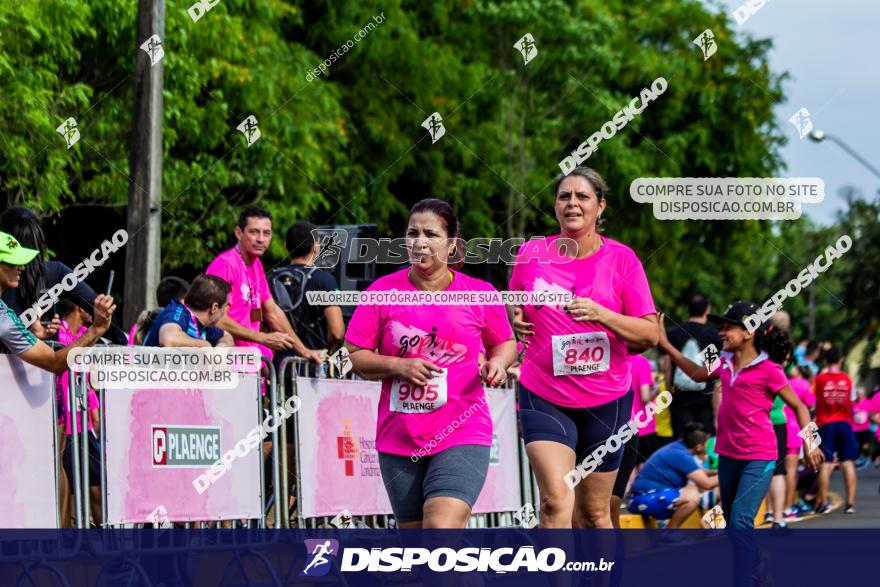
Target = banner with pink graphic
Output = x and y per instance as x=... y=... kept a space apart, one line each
x=27 y=435
x=501 y=491
x=339 y=462
x=162 y=446
x=337 y=448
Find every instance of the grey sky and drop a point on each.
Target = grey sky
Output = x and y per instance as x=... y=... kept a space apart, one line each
x=832 y=52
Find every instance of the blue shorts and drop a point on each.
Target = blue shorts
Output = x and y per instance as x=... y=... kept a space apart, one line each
x=657 y=503
x=580 y=429
x=838 y=437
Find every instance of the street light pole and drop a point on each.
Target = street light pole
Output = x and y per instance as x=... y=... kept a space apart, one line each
x=142 y=256
x=819 y=136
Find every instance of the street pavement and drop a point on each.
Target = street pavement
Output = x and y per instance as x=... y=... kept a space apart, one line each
x=867 y=504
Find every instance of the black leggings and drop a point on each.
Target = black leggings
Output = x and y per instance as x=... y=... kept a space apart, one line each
x=627 y=464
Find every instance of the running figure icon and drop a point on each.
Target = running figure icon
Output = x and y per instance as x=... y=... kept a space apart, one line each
x=319 y=556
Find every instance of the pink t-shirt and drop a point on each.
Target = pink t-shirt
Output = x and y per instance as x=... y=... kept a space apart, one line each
x=801 y=389
x=131 y=334
x=874 y=408
x=613 y=277
x=744 y=427
x=65 y=337
x=640 y=368
x=448 y=336
x=249 y=290
x=861 y=415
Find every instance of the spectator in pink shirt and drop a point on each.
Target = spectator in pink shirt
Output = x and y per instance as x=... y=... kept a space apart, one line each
x=250 y=304
x=862 y=421
x=801 y=387
x=75 y=323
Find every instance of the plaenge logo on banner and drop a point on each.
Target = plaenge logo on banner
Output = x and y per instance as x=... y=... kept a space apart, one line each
x=185 y=446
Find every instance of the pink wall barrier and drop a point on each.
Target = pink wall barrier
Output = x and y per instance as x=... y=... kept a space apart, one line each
x=340 y=465
x=501 y=492
x=27 y=435
x=162 y=445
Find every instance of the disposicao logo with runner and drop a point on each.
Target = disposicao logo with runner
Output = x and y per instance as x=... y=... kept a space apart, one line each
x=320 y=552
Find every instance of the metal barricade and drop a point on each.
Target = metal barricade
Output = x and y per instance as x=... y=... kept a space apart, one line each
x=296 y=366
x=29 y=388
x=35 y=556
x=128 y=548
x=78 y=408
x=280 y=389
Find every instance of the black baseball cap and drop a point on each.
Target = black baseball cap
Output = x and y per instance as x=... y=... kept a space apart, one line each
x=736 y=313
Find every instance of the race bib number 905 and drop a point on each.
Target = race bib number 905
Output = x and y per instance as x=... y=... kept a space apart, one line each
x=410 y=398
x=581 y=354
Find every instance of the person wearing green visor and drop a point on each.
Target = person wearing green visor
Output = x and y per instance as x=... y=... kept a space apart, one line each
x=15 y=338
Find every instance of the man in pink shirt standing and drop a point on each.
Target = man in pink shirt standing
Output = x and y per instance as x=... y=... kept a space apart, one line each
x=250 y=302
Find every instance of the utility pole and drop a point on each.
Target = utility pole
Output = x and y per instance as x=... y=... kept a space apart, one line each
x=143 y=255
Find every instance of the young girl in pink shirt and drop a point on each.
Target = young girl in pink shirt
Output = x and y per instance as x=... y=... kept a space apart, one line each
x=751 y=378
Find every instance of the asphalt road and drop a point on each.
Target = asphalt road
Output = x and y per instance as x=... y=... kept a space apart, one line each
x=867 y=504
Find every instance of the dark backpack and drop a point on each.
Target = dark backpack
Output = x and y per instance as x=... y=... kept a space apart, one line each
x=288 y=288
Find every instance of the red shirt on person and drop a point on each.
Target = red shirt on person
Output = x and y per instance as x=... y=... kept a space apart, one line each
x=833 y=391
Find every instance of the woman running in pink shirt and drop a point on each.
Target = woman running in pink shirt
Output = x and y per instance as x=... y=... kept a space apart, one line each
x=434 y=431
x=575 y=386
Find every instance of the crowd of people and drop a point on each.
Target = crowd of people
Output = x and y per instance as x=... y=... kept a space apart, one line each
x=738 y=431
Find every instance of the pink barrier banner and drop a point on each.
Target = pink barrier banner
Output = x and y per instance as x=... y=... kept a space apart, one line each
x=161 y=445
x=337 y=448
x=501 y=492
x=27 y=435
x=340 y=464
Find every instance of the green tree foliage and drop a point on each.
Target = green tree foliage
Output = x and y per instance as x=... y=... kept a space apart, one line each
x=347 y=146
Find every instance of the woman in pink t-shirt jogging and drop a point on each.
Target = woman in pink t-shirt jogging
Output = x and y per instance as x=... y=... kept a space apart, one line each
x=434 y=430
x=751 y=377
x=575 y=386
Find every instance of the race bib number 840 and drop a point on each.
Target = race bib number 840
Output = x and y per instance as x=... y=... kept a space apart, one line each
x=581 y=354
x=410 y=398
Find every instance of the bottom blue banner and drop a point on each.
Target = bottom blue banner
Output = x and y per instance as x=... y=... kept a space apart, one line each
x=640 y=558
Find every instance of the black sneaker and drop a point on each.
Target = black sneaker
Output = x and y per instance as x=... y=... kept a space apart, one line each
x=849 y=509
x=825 y=508
x=780 y=528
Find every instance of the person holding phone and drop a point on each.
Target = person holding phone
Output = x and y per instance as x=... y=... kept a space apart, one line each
x=41 y=274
